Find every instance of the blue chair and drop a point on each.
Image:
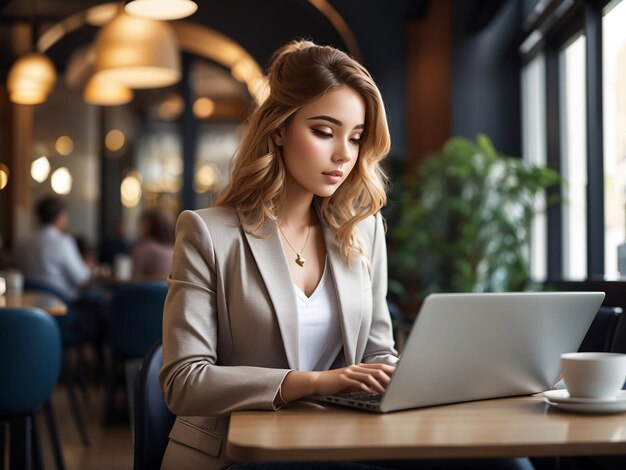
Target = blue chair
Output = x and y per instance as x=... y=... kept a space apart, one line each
x=30 y=362
x=401 y=326
x=68 y=327
x=136 y=316
x=599 y=337
x=135 y=324
x=153 y=420
x=70 y=338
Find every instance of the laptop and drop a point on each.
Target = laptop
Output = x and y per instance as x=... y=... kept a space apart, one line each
x=465 y=347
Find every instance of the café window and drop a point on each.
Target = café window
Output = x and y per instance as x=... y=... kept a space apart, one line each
x=534 y=152
x=614 y=117
x=573 y=158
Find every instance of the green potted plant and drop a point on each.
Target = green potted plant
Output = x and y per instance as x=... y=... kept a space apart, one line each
x=463 y=223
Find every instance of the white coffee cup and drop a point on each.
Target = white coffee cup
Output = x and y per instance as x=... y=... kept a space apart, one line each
x=122 y=267
x=593 y=374
x=14 y=282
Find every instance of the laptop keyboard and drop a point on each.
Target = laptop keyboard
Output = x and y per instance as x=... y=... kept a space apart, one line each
x=364 y=397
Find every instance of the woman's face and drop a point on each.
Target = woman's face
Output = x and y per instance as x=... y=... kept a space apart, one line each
x=320 y=144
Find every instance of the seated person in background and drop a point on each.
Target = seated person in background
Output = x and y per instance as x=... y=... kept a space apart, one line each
x=51 y=257
x=86 y=251
x=152 y=254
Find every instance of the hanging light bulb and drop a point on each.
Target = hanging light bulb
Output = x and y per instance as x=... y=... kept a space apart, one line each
x=40 y=169
x=103 y=92
x=4 y=176
x=31 y=79
x=137 y=52
x=61 y=181
x=161 y=9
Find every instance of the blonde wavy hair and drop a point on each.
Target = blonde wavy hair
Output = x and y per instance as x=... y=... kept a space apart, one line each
x=299 y=73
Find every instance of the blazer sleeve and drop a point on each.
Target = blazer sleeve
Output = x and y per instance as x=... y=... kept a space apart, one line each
x=380 y=344
x=192 y=381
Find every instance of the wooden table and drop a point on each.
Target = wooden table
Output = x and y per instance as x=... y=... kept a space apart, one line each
x=48 y=302
x=507 y=427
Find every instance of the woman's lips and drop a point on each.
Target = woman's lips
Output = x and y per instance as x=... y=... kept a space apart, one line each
x=333 y=176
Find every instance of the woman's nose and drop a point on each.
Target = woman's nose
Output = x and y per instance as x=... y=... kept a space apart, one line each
x=344 y=152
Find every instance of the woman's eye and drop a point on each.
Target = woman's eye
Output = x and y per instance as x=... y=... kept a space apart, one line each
x=323 y=134
x=356 y=140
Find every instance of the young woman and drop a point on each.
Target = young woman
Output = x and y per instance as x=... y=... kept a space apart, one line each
x=279 y=291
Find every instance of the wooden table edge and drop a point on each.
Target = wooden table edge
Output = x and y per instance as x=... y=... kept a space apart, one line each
x=244 y=452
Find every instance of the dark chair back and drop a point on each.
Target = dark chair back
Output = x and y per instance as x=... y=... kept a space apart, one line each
x=136 y=316
x=70 y=334
x=153 y=420
x=30 y=359
x=600 y=335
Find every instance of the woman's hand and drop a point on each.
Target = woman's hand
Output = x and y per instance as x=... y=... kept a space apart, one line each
x=371 y=378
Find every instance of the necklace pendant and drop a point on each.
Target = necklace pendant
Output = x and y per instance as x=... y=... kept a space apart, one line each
x=300 y=260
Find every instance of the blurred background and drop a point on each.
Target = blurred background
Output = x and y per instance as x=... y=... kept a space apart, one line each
x=542 y=79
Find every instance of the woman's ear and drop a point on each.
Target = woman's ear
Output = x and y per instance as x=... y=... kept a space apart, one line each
x=277 y=135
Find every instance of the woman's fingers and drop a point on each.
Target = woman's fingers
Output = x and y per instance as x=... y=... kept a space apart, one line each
x=374 y=375
x=371 y=378
x=384 y=367
x=374 y=379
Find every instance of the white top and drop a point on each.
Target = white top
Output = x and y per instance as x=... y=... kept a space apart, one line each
x=319 y=330
x=51 y=257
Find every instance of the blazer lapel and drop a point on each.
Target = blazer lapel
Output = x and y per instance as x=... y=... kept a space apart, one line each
x=269 y=257
x=349 y=294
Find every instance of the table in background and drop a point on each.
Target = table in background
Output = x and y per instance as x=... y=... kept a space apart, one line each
x=48 y=302
x=507 y=427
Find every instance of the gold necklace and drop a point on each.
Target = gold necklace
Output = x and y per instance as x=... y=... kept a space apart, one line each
x=299 y=259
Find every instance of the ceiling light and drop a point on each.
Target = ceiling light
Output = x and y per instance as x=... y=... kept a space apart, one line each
x=137 y=52
x=99 y=15
x=31 y=79
x=103 y=92
x=40 y=169
x=171 y=108
x=206 y=177
x=130 y=189
x=114 y=140
x=203 y=107
x=161 y=9
x=61 y=181
x=64 y=145
x=4 y=176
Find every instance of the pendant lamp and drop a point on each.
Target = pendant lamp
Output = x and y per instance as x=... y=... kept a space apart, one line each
x=138 y=53
x=161 y=9
x=103 y=92
x=31 y=79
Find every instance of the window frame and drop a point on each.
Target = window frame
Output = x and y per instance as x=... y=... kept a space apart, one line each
x=549 y=28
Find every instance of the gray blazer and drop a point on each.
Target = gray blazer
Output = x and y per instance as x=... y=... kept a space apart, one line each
x=230 y=332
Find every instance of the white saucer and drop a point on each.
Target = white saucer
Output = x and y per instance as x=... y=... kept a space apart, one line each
x=607 y=407
x=562 y=396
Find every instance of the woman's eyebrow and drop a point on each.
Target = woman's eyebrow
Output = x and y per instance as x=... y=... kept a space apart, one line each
x=333 y=120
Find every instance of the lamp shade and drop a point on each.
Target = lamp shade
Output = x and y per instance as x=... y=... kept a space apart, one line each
x=31 y=79
x=103 y=92
x=138 y=53
x=161 y=9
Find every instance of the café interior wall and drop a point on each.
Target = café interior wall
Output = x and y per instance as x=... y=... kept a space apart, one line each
x=486 y=77
x=380 y=28
x=66 y=114
x=115 y=164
